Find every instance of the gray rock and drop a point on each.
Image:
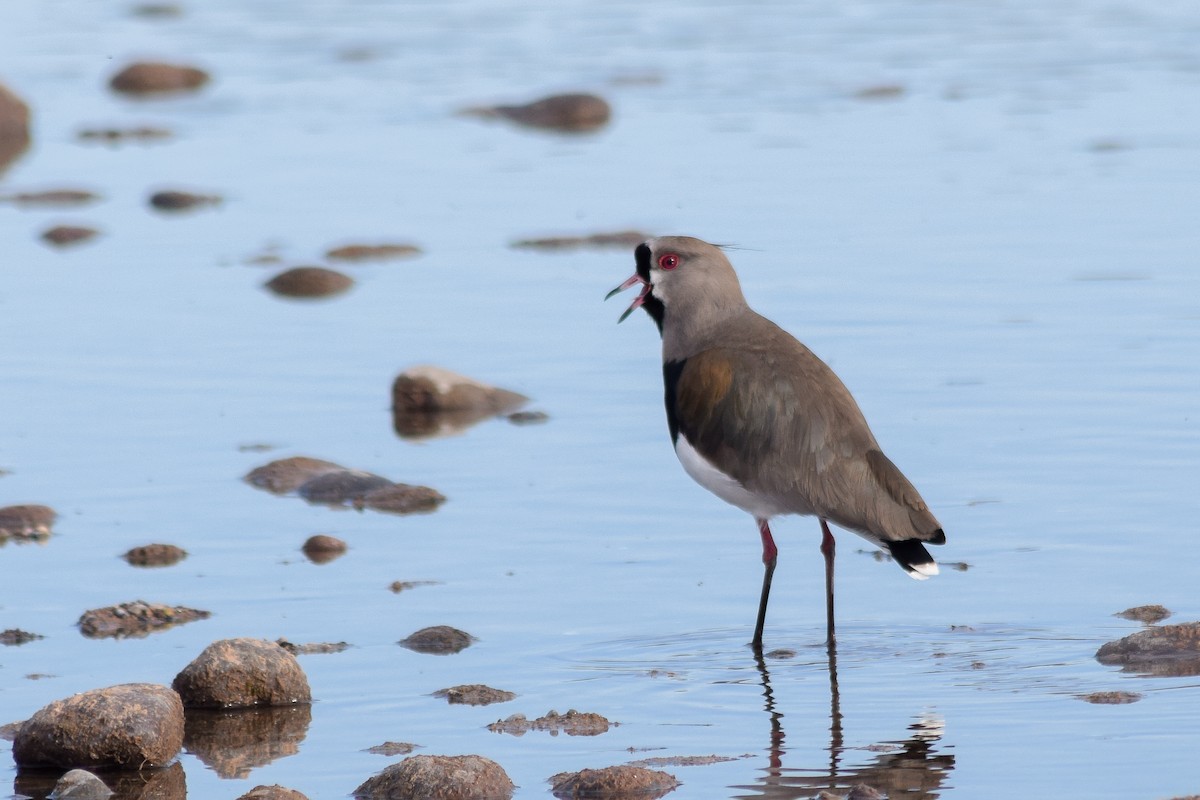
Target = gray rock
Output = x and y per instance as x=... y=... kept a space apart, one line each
x=289 y=474
x=79 y=784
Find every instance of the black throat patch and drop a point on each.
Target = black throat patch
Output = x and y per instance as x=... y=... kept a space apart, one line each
x=654 y=307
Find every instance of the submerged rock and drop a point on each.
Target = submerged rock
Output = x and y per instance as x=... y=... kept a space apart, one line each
x=439 y=778
x=16 y=636
x=342 y=487
x=274 y=792
x=438 y=640
x=401 y=498
x=474 y=694
x=289 y=474
x=625 y=240
x=155 y=555
x=135 y=619
x=142 y=133
x=576 y=112
x=1110 y=698
x=156 y=77
x=309 y=282
x=311 y=648
x=79 y=784
x=26 y=522
x=612 y=783
x=1146 y=614
x=52 y=197
x=1172 y=650
x=392 y=749
x=179 y=200
x=131 y=726
x=429 y=401
x=372 y=252
x=237 y=673
x=64 y=235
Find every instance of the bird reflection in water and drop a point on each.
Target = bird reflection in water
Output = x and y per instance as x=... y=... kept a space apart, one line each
x=909 y=768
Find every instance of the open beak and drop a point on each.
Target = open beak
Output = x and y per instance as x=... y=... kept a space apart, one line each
x=634 y=280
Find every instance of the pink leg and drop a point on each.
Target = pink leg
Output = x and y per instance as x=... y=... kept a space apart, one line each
x=828 y=548
x=770 y=552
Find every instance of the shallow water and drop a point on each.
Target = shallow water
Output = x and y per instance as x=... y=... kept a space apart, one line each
x=999 y=262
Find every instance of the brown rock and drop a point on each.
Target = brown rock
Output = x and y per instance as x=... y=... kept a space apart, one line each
x=14 y=127
x=439 y=778
x=155 y=555
x=322 y=548
x=16 y=636
x=288 y=474
x=372 y=252
x=1163 y=650
x=1110 y=698
x=275 y=792
x=131 y=726
x=52 y=197
x=404 y=586
x=438 y=640
x=236 y=673
x=612 y=783
x=401 y=498
x=135 y=619
x=155 y=77
x=392 y=749
x=883 y=91
x=430 y=401
x=1147 y=614
x=234 y=743
x=177 y=200
x=309 y=282
x=567 y=113
x=528 y=417
x=625 y=240
x=474 y=694
x=344 y=487
x=63 y=235
x=572 y=723
x=26 y=522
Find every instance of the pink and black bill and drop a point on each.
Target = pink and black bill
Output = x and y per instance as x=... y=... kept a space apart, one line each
x=645 y=298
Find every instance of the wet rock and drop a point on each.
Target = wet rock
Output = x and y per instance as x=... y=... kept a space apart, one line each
x=682 y=761
x=64 y=235
x=311 y=648
x=392 y=749
x=14 y=127
x=430 y=401
x=143 y=133
x=403 y=586
x=1164 y=650
x=612 y=783
x=131 y=726
x=474 y=694
x=135 y=619
x=309 y=282
x=372 y=252
x=342 y=487
x=16 y=636
x=401 y=498
x=1148 y=614
x=26 y=522
x=439 y=778
x=528 y=417
x=275 y=792
x=288 y=474
x=237 y=673
x=883 y=91
x=79 y=784
x=438 y=640
x=235 y=742
x=155 y=555
x=568 y=113
x=156 y=77
x=178 y=200
x=572 y=723
x=625 y=240
x=56 y=198
x=321 y=548
x=1110 y=698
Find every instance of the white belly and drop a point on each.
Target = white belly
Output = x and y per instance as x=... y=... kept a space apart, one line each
x=704 y=473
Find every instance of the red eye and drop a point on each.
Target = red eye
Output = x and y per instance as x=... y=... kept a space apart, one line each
x=668 y=261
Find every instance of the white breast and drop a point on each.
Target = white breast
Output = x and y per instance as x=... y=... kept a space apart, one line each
x=707 y=475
